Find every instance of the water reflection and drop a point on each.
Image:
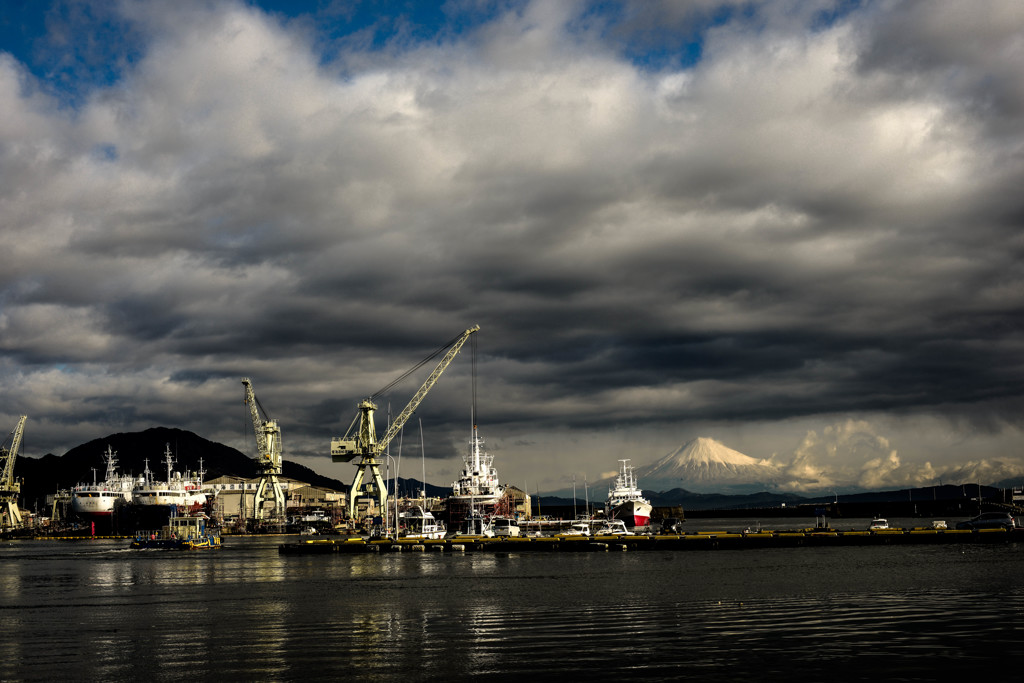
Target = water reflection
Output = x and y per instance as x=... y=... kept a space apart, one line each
x=248 y=613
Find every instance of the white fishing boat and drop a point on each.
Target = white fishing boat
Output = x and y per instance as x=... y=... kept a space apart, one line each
x=419 y=523
x=182 y=490
x=96 y=500
x=626 y=501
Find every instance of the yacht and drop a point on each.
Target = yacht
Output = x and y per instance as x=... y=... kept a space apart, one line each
x=419 y=523
x=613 y=527
x=576 y=529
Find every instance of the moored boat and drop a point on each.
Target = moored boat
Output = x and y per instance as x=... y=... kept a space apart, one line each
x=613 y=527
x=474 y=525
x=477 y=489
x=185 y=491
x=626 y=501
x=576 y=529
x=419 y=523
x=96 y=501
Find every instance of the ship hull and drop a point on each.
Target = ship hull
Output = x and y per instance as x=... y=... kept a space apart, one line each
x=458 y=507
x=95 y=504
x=183 y=499
x=634 y=513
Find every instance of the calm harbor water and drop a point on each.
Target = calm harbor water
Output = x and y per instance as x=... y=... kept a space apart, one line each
x=93 y=610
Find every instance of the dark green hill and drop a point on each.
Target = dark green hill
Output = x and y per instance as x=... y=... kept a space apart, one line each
x=46 y=475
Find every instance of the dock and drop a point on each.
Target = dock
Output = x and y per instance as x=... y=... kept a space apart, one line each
x=704 y=540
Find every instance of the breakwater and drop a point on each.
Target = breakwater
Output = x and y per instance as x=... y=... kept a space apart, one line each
x=706 y=540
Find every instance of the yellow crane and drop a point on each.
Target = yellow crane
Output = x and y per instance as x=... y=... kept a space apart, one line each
x=368 y=447
x=10 y=515
x=268 y=458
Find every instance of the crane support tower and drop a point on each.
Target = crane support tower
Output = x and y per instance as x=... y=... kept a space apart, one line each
x=10 y=515
x=369 y=448
x=268 y=458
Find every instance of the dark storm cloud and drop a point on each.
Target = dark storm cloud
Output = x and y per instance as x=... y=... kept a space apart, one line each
x=808 y=213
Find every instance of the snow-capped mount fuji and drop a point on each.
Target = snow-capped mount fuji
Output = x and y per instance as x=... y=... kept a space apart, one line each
x=707 y=466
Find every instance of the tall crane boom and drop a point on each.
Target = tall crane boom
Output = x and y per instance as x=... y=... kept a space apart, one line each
x=7 y=477
x=269 y=456
x=418 y=397
x=368 y=447
x=10 y=515
x=268 y=434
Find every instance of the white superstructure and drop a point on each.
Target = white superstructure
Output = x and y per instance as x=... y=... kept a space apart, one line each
x=98 y=498
x=478 y=484
x=419 y=523
x=184 y=490
x=626 y=500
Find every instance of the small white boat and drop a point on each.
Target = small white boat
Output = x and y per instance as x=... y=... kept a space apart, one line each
x=576 y=529
x=419 y=523
x=879 y=523
x=505 y=527
x=613 y=527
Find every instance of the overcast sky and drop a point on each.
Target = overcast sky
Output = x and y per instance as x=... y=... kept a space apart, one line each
x=792 y=227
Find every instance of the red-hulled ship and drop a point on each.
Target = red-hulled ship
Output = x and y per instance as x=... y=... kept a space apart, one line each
x=626 y=500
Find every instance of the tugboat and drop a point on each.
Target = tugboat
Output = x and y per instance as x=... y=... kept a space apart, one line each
x=626 y=500
x=180 y=533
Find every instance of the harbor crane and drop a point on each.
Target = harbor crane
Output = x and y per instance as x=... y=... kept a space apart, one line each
x=368 y=447
x=10 y=515
x=268 y=458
